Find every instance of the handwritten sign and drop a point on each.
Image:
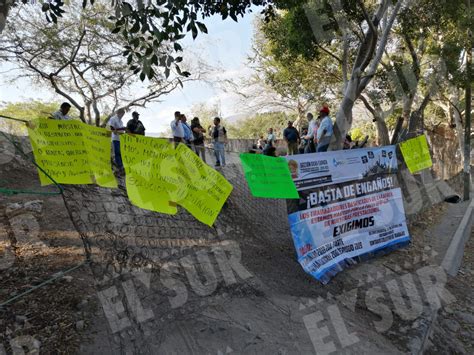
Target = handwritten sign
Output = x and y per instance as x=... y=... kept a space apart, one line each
x=416 y=153
x=149 y=179
x=97 y=144
x=72 y=152
x=159 y=177
x=268 y=177
x=204 y=191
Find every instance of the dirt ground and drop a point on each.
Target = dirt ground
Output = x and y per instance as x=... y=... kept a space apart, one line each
x=262 y=303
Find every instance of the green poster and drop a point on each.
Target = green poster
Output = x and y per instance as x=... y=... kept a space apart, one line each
x=268 y=176
x=416 y=153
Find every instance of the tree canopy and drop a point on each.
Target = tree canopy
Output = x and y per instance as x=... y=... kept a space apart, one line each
x=81 y=60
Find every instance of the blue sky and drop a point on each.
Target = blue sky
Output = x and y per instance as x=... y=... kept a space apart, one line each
x=227 y=45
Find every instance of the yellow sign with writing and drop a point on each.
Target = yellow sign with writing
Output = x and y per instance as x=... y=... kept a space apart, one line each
x=148 y=181
x=416 y=153
x=159 y=177
x=71 y=152
x=204 y=191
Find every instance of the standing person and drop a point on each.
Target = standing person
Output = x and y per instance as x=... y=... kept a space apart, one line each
x=198 y=133
x=325 y=130
x=116 y=125
x=271 y=138
x=135 y=126
x=292 y=137
x=260 y=143
x=62 y=113
x=188 y=133
x=311 y=135
x=177 y=128
x=303 y=141
x=219 y=135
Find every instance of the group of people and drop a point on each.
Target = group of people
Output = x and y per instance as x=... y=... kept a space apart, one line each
x=116 y=125
x=315 y=138
x=193 y=136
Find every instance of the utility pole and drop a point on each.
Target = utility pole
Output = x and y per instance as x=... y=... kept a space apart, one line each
x=467 y=133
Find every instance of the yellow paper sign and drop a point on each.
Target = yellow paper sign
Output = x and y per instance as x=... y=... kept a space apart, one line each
x=416 y=154
x=204 y=191
x=159 y=177
x=145 y=161
x=72 y=152
x=97 y=143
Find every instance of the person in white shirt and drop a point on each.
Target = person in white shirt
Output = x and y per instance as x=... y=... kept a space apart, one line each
x=311 y=135
x=117 y=127
x=62 y=114
x=177 y=128
x=325 y=130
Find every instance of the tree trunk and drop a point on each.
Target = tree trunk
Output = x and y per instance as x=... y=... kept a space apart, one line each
x=4 y=8
x=416 y=122
x=368 y=57
x=379 y=119
x=398 y=130
x=344 y=114
x=301 y=120
x=382 y=132
x=459 y=128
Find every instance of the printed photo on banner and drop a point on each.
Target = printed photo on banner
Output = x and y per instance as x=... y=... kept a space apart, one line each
x=319 y=169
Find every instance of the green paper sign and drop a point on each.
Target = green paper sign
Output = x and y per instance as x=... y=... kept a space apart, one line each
x=268 y=177
x=416 y=153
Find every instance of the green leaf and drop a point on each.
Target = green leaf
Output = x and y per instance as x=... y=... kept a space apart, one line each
x=142 y=76
x=186 y=74
x=167 y=72
x=194 y=31
x=135 y=27
x=162 y=61
x=116 y=30
x=177 y=47
x=202 y=27
x=151 y=73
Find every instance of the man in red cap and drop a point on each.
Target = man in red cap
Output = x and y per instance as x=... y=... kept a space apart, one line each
x=325 y=130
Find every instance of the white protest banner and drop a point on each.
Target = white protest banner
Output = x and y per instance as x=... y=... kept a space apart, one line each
x=337 y=224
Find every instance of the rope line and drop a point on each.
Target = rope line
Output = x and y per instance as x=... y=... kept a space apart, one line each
x=22 y=191
x=46 y=282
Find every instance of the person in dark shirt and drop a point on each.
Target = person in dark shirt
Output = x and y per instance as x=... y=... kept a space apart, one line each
x=135 y=126
x=292 y=137
x=198 y=133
